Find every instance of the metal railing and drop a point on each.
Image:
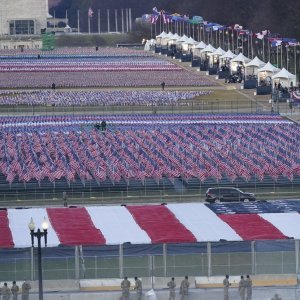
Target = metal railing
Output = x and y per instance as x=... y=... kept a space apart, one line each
x=204 y=259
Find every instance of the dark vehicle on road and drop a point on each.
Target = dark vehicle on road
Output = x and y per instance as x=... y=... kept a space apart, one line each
x=228 y=194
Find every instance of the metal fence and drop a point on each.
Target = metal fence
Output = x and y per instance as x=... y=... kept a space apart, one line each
x=183 y=106
x=201 y=259
x=149 y=190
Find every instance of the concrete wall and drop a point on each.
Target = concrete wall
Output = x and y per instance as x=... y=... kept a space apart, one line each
x=36 y=10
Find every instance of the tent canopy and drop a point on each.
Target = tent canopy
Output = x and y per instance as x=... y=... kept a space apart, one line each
x=268 y=67
x=285 y=78
x=240 y=58
x=208 y=49
x=162 y=35
x=218 y=52
x=284 y=74
x=228 y=55
x=200 y=45
x=183 y=39
x=255 y=62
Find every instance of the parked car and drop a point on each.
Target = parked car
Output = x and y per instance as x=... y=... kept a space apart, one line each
x=228 y=194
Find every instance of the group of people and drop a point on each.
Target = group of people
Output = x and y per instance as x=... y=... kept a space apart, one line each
x=126 y=285
x=14 y=291
x=245 y=287
x=183 y=291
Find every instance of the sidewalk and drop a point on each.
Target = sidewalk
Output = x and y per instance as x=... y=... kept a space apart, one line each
x=261 y=293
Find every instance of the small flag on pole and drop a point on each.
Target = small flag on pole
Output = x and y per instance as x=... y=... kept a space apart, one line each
x=90 y=12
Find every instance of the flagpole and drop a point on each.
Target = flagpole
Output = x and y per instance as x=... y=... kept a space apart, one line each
x=54 y=20
x=116 y=19
x=108 y=23
x=99 y=23
x=287 y=57
x=248 y=45
x=130 y=20
x=280 y=55
x=263 y=54
x=277 y=55
x=122 y=14
x=251 y=36
x=269 y=50
x=78 y=27
x=295 y=60
x=126 y=11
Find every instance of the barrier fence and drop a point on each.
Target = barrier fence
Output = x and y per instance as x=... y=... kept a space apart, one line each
x=135 y=191
x=172 y=260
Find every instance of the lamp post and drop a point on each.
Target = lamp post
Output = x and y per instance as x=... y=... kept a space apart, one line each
x=39 y=234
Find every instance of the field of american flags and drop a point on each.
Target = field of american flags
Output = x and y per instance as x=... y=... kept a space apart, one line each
x=207 y=147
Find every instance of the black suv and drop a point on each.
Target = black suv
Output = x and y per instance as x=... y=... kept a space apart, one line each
x=227 y=194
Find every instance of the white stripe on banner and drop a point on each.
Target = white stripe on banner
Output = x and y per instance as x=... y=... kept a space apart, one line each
x=18 y=223
x=117 y=225
x=287 y=223
x=203 y=223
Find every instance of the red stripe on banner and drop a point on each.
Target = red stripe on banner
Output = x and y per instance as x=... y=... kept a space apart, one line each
x=74 y=226
x=160 y=224
x=252 y=227
x=6 y=240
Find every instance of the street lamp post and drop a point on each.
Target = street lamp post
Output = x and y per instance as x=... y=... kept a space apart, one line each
x=39 y=234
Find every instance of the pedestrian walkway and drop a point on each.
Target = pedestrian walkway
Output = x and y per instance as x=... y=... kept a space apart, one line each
x=259 y=293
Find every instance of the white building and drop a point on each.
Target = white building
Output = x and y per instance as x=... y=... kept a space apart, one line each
x=23 y=17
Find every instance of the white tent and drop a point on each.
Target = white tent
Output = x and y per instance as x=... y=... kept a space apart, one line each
x=160 y=37
x=198 y=48
x=188 y=44
x=183 y=39
x=174 y=38
x=240 y=59
x=228 y=55
x=264 y=74
x=214 y=57
x=285 y=78
x=219 y=52
x=208 y=49
x=255 y=62
x=253 y=66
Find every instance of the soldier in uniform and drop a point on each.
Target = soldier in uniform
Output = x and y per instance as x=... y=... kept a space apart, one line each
x=25 y=290
x=172 y=285
x=242 y=288
x=15 y=290
x=125 y=286
x=226 y=285
x=184 y=288
x=248 y=288
x=6 y=293
x=138 y=288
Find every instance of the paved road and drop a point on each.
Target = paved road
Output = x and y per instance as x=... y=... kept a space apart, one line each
x=261 y=293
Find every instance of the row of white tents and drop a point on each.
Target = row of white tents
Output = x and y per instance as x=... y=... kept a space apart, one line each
x=254 y=67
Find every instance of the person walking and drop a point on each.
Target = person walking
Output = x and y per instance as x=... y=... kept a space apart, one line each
x=6 y=293
x=242 y=288
x=125 y=286
x=226 y=285
x=26 y=287
x=172 y=284
x=138 y=288
x=15 y=290
x=163 y=84
x=184 y=288
x=248 y=288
